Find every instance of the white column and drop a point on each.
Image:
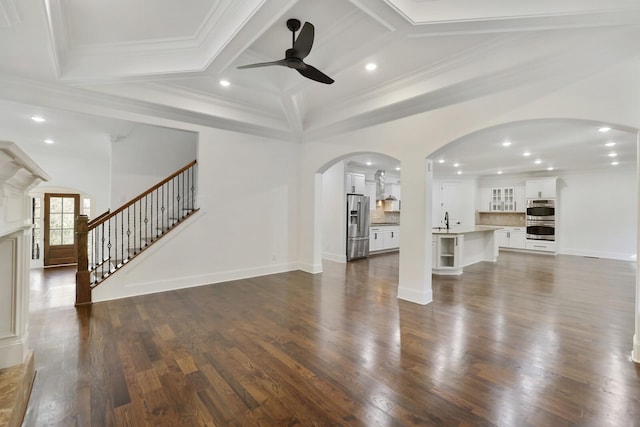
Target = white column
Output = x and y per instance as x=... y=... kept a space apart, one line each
x=635 y=355
x=415 y=228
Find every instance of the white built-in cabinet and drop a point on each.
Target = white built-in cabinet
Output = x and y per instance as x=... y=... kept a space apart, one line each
x=447 y=254
x=354 y=183
x=384 y=238
x=370 y=190
x=502 y=199
x=394 y=191
x=543 y=188
x=511 y=237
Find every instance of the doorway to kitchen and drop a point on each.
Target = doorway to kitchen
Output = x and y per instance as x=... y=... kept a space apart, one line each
x=358 y=176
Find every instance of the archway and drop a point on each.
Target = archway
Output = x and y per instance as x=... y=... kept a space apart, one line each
x=365 y=168
x=590 y=194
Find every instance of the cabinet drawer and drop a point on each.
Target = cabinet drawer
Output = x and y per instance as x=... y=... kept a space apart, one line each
x=541 y=245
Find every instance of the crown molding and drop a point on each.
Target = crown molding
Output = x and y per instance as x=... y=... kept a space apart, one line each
x=374 y=11
x=526 y=23
x=102 y=104
x=77 y=62
x=425 y=14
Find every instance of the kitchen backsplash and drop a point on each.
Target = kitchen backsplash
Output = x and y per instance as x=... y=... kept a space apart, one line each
x=511 y=219
x=380 y=216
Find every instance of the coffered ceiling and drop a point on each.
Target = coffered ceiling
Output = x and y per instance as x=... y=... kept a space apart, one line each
x=168 y=57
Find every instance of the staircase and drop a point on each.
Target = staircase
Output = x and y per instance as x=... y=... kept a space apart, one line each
x=107 y=243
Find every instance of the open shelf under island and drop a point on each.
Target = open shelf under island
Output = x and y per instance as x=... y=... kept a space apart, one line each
x=459 y=246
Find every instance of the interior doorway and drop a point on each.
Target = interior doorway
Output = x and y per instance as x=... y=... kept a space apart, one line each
x=60 y=211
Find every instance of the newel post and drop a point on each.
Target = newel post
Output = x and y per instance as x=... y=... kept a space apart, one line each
x=83 y=289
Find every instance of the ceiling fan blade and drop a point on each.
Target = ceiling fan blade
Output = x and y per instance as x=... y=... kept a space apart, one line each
x=304 y=42
x=315 y=74
x=263 y=64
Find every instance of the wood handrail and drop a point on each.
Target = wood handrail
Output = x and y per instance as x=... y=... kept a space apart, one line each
x=99 y=217
x=102 y=220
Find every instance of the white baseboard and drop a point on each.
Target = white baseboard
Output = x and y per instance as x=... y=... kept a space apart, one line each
x=13 y=351
x=310 y=268
x=597 y=254
x=422 y=298
x=104 y=292
x=334 y=257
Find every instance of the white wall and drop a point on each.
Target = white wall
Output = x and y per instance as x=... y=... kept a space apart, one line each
x=598 y=214
x=334 y=213
x=85 y=168
x=146 y=156
x=246 y=226
x=463 y=190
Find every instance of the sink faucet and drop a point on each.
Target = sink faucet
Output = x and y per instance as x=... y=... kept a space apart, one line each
x=446 y=219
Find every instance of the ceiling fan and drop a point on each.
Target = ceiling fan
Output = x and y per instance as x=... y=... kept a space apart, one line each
x=300 y=49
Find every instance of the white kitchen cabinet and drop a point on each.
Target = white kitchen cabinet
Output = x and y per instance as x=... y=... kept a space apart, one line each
x=520 y=204
x=434 y=251
x=541 y=245
x=496 y=199
x=502 y=199
x=394 y=238
x=370 y=190
x=392 y=205
x=354 y=183
x=511 y=237
x=384 y=238
x=484 y=200
x=508 y=199
x=543 y=188
x=392 y=190
x=375 y=239
x=449 y=253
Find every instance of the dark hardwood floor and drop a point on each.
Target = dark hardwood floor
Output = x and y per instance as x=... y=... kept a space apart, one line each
x=531 y=340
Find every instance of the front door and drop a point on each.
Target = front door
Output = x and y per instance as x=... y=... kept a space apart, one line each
x=60 y=211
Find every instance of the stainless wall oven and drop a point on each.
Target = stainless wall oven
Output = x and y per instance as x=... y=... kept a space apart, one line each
x=541 y=219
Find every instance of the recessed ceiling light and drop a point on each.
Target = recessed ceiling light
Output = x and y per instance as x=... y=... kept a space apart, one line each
x=459 y=172
x=538 y=161
x=615 y=163
x=550 y=168
x=499 y=172
x=506 y=143
x=612 y=154
x=610 y=144
x=456 y=165
x=368 y=163
x=225 y=83
x=526 y=154
x=398 y=168
x=604 y=129
x=441 y=161
x=38 y=119
x=370 y=66
x=49 y=141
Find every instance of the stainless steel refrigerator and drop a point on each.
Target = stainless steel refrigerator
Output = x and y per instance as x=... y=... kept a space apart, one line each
x=357 y=226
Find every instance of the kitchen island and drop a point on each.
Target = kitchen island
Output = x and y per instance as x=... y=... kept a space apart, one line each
x=460 y=246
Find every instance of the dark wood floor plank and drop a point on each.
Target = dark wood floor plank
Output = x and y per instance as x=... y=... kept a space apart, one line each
x=529 y=341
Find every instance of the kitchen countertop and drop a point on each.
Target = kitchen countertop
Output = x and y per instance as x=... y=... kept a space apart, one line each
x=384 y=224
x=465 y=229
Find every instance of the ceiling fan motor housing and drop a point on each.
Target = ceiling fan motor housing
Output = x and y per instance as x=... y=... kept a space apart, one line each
x=293 y=24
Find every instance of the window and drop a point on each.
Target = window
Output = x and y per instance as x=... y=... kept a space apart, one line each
x=36 y=231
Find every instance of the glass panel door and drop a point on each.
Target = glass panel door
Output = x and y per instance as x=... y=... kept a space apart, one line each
x=59 y=228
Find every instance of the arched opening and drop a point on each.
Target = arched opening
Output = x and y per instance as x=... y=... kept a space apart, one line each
x=367 y=185
x=596 y=167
